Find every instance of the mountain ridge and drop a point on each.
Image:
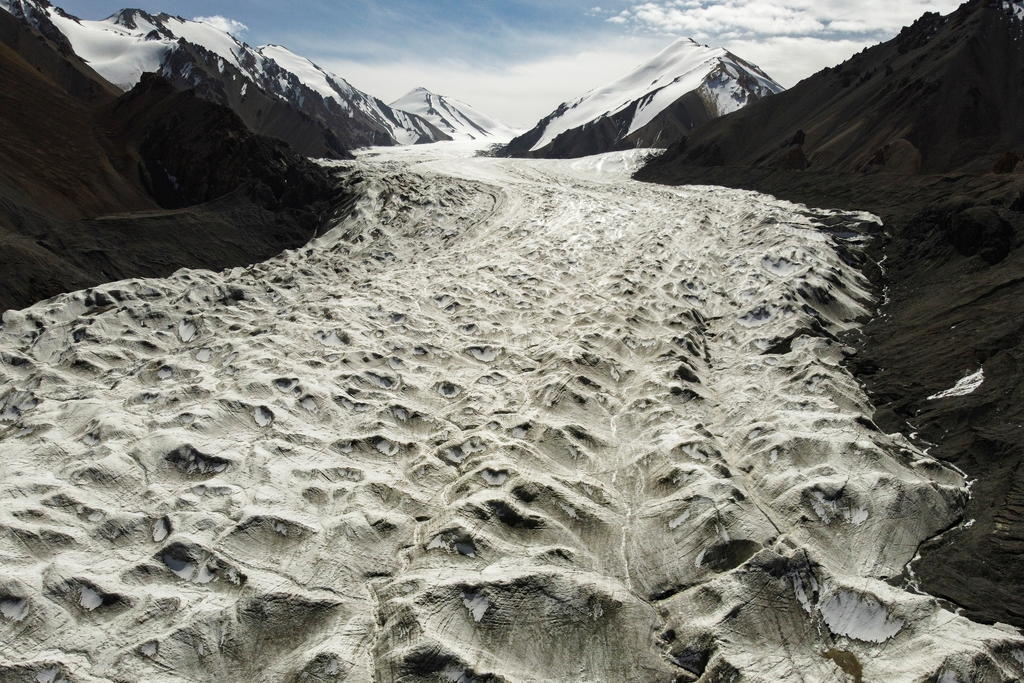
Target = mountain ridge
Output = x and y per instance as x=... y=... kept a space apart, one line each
x=455 y=118
x=682 y=87
x=276 y=95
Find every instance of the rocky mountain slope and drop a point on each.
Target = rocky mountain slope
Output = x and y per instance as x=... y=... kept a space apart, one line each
x=684 y=86
x=924 y=131
x=94 y=184
x=942 y=96
x=456 y=119
x=275 y=92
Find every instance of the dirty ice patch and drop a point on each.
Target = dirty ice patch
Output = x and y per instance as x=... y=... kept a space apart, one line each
x=967 y=385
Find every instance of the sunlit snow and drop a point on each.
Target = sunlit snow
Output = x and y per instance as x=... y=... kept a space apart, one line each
x=966 y=385
x=681 y=68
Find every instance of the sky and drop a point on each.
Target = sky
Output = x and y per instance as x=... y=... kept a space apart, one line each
x=518 y=59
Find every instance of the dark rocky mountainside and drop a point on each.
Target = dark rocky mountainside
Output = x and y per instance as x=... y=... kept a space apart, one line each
x=191 y=152
x=925 y=131
x=97 y=186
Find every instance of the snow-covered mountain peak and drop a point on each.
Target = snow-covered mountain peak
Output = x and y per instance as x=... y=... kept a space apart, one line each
x=404 y=128
x=30 y=11
x=683 y=58
x=21 y=7
x=131 y=41
x=680 y=68
x=133 y=19
x=722 y=81
x=456 y=119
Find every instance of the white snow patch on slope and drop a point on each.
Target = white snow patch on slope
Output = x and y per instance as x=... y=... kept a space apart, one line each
x=457 y=119
x=859 y=616
x=681 y=68
x=966 y=385
x=209 y=36
x=119 y=54
x=476 y=603
x=311 y=75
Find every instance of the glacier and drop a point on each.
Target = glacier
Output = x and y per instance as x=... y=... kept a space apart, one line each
x=509 y=420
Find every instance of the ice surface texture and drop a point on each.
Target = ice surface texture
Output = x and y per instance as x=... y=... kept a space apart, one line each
x=512 y=421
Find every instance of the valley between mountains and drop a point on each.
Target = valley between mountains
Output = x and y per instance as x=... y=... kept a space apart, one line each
x=508 y=420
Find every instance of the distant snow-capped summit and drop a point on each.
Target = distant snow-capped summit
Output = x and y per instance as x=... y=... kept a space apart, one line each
x=273 y=90
x=405 y=128
x=456 y=119
x=685 y=85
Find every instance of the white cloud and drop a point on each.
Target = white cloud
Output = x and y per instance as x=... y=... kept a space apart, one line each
x=752 y=16
x=708 y=18
x=225 y=24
